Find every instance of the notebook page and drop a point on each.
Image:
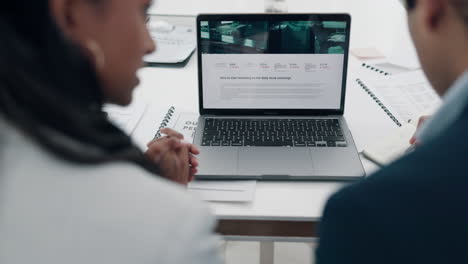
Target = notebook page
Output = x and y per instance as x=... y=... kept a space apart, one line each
x=155 y=116
x=366 y=119
x=407 y=95
x=391 y=148
x=186 y=124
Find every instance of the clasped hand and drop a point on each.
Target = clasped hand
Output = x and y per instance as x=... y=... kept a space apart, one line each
x=175 y=158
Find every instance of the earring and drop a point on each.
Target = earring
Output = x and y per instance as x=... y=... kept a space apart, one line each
x=96 y=53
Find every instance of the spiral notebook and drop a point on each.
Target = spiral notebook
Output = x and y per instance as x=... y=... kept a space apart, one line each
x=403 y=98
x=183 y=122
x=385 y=68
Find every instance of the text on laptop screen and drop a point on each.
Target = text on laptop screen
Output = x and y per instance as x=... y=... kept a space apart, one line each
x=273 y=64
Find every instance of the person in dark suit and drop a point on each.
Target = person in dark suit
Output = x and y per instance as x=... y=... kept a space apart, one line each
x=415 y=210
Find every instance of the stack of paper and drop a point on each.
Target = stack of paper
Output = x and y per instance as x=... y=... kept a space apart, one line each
x=224 y=191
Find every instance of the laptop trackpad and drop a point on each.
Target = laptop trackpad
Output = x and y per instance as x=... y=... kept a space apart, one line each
x=275 y=161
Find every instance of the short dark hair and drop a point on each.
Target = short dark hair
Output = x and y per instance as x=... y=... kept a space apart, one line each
x=461 y=6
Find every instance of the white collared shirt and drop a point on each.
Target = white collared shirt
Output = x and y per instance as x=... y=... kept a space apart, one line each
x=455 y=101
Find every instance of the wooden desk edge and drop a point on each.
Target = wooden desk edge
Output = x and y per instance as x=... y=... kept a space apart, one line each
x=268 y=228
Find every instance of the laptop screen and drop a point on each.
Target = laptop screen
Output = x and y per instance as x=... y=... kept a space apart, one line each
x=273 y=61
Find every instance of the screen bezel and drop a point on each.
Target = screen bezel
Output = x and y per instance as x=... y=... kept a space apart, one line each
x=273 y=17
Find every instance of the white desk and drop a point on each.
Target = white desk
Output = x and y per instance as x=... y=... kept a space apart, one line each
x=376 y=23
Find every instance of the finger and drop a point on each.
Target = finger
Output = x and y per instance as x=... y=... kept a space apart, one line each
x=157 y=151
x=158 y=140
x=185 y=159
x=176 y=143
x=422 y=119
x=172 y=133
x=194 y=161
x=412 y=140
x=151 y=142
x=420 y=122
x=171 y=141
x=161 y=144
x=154 y=150
x=182 y=159
x=193 y=172
x=185 y=145
x=154 y=141
x=194 y=149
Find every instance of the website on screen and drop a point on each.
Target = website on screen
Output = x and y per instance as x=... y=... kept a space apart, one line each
x=272 y=65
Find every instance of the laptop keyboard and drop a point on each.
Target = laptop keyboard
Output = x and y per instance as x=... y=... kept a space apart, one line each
x=273 y=133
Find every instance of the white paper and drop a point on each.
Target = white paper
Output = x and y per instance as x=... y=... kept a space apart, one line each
x=391 y=148
x=224 y=191
x=376 y=67
x=126 y=118
x=391 y=68
x=173 y=46
x=367 y=53
x=221 y=185
x=186 y=124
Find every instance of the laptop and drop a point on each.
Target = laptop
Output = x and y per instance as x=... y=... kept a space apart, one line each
x=272 y=96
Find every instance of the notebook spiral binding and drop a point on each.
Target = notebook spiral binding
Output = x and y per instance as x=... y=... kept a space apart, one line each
x=167 y=118
x=373 y=68
x=377 y=100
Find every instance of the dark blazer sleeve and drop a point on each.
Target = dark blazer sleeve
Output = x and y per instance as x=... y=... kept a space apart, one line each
x=413 y=211
x=345 y=232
